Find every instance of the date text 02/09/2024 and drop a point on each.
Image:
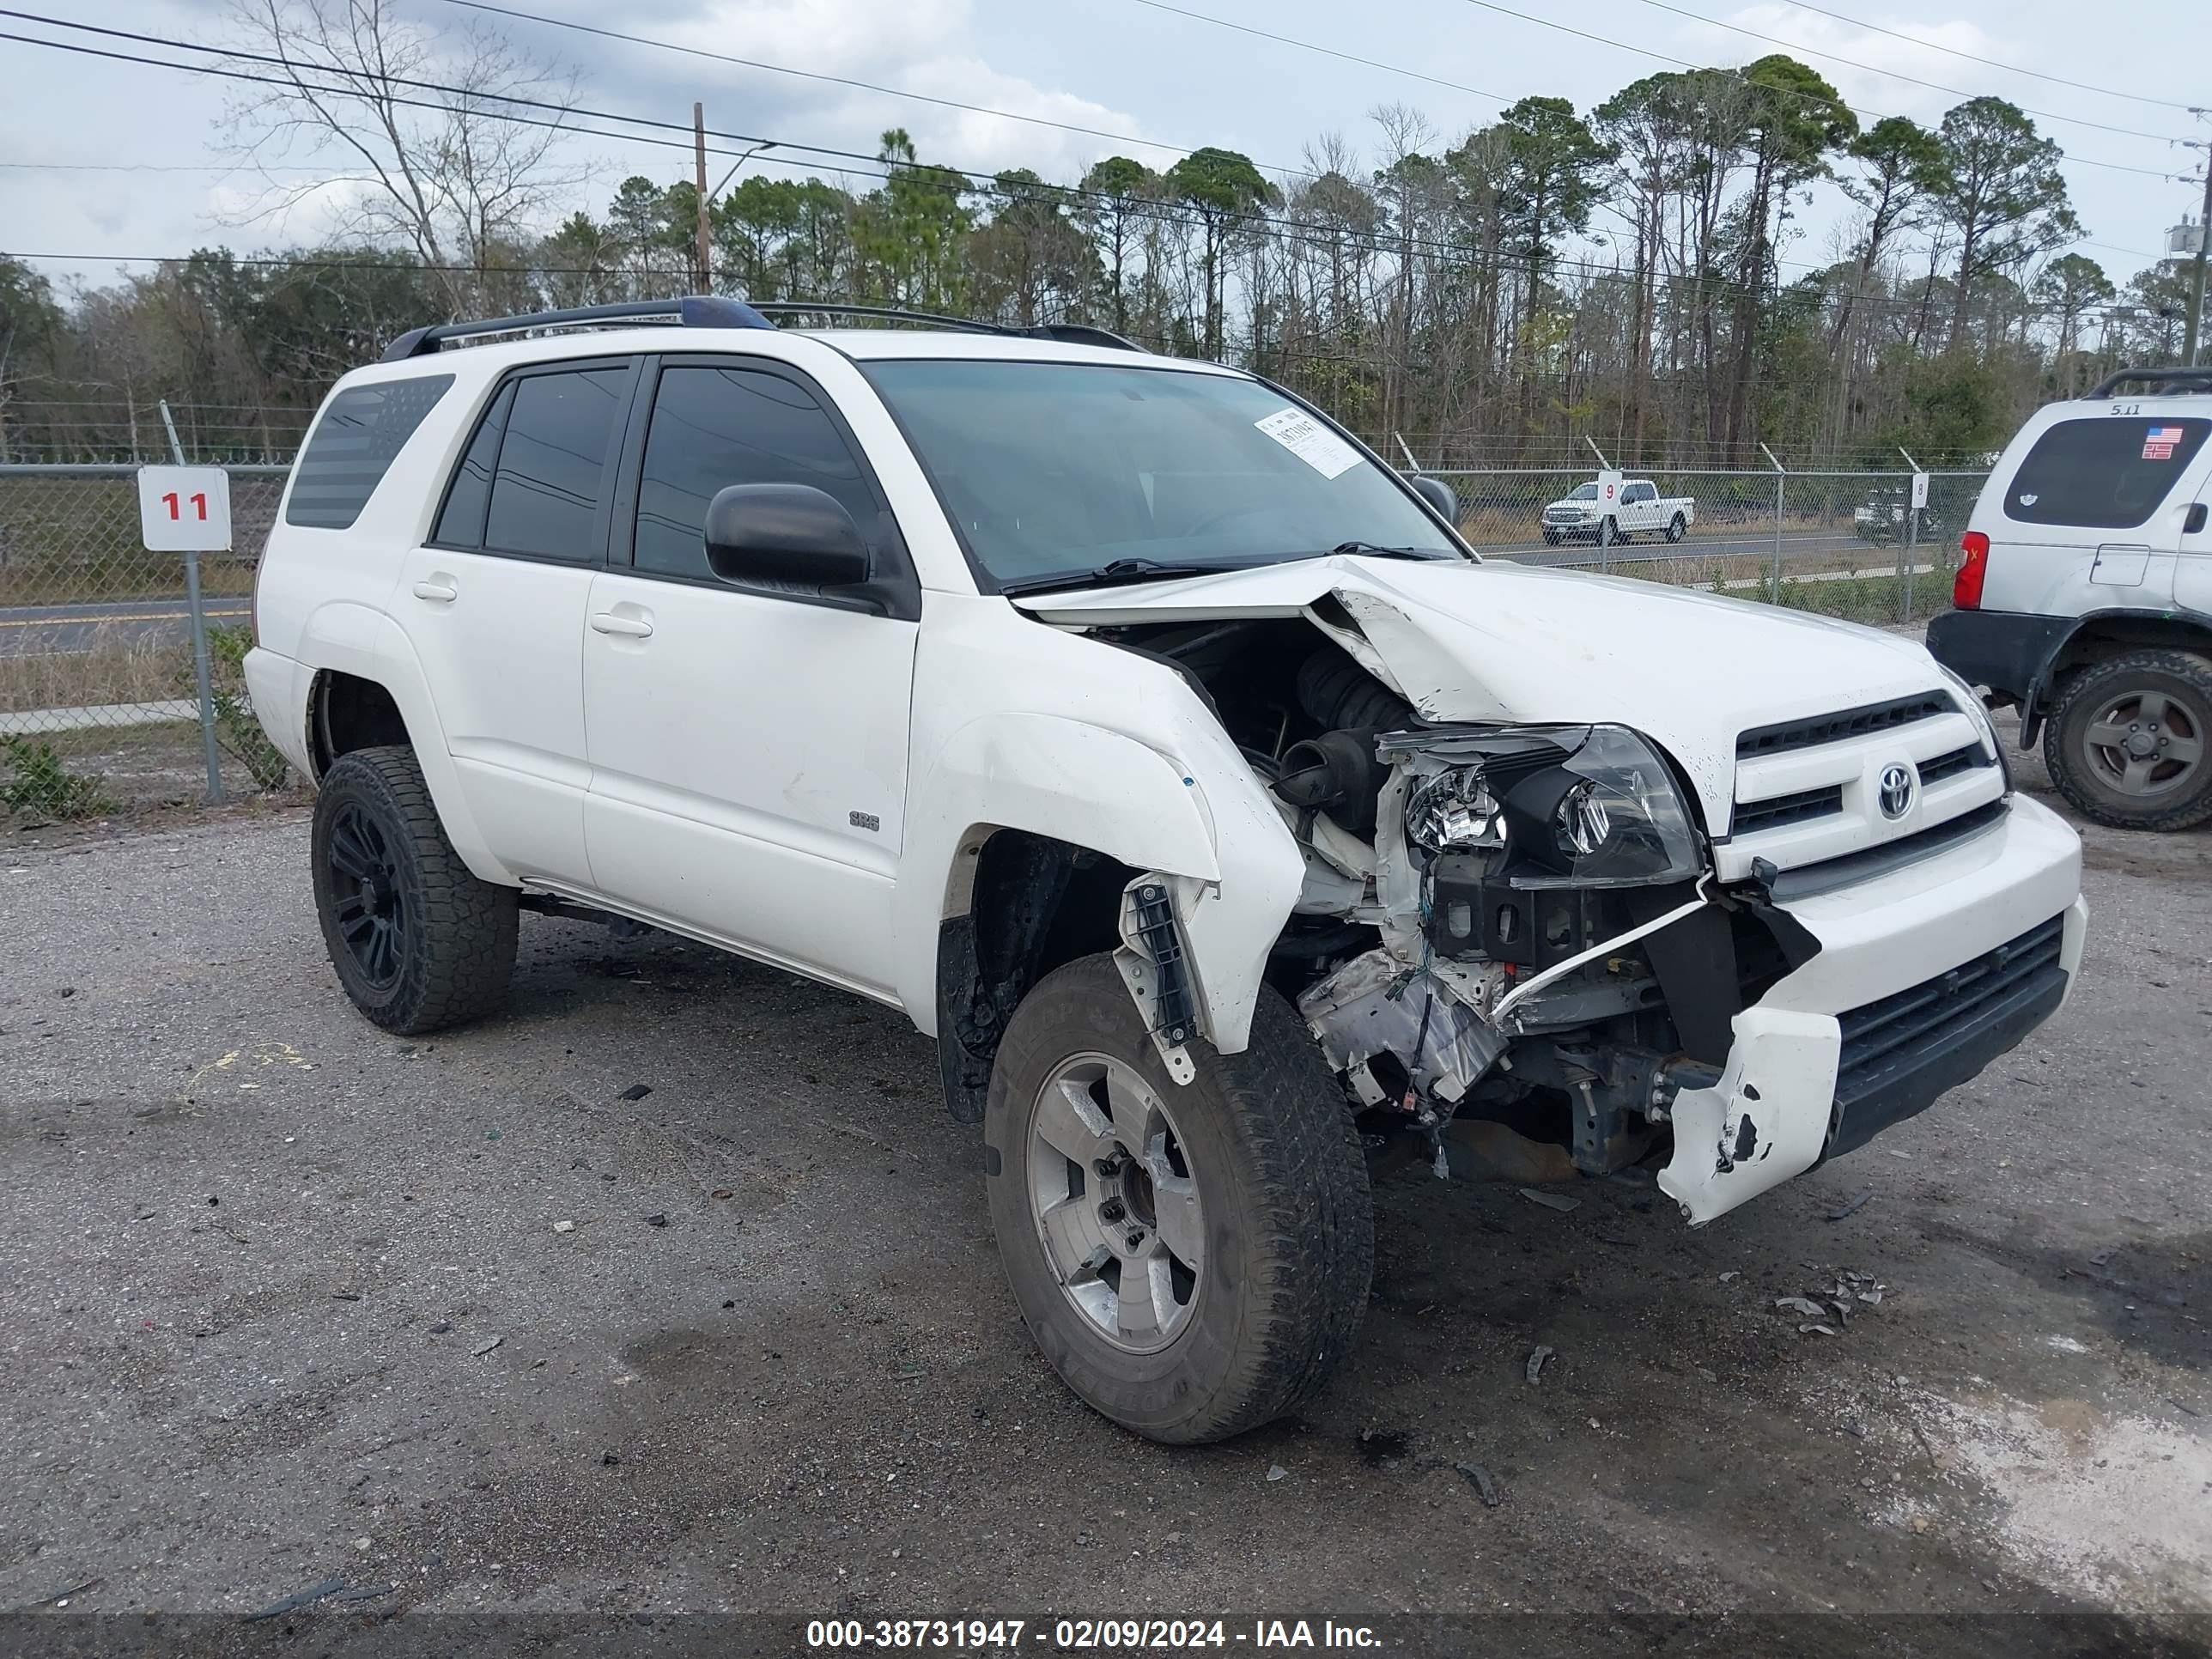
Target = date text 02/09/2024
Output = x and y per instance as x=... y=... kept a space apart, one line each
x=1083 y=1635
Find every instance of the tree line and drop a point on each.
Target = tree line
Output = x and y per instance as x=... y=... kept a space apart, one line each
x=1644 y=273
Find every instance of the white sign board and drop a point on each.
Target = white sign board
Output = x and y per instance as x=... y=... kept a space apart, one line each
x=1609 y=488
x=184 y=509
x=1919 y=490
x=1310 y=441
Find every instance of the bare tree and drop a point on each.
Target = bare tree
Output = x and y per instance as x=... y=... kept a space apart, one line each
x=452 y=140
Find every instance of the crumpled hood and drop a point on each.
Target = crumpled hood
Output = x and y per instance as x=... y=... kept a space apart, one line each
x=1497 y=641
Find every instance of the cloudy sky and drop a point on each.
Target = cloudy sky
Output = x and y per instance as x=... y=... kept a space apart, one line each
x=112 y=161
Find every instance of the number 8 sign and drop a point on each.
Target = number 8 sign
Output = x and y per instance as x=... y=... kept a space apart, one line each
x=184 y=509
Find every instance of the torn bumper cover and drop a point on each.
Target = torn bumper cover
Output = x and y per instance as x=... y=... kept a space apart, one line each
x=1851 y=1043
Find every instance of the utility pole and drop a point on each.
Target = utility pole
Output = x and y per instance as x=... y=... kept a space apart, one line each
x=2203 y=243
x=705 y=251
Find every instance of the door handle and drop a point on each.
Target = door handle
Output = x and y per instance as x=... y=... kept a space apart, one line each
x=438 y=592
x=628 y=628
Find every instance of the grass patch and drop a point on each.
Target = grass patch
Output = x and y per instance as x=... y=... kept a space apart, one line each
x=1872 y=599
x=122 y=665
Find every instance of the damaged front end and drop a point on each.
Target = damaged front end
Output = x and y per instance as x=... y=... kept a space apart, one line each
x=1549 y=954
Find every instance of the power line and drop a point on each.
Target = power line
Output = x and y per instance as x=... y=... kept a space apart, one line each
x=1868 y=68
x=1707 y=286
x=1312 y=46
x=813 y=75
x=1992 y=63
x=1684 y=62
x=1159 y=211
x=149 y=167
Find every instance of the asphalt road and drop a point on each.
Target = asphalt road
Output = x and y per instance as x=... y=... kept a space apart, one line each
x=286 y=1302
x=1732 y=545
x=50 y=630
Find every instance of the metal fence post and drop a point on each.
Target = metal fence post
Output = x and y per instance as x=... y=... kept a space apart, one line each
x=1908 y=558
x=202 y=674
x=1774 y=575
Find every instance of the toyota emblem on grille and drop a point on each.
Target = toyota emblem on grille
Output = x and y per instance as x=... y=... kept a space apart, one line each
x=1896 y=790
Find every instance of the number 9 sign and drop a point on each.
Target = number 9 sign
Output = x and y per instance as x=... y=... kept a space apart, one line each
x=184 y=509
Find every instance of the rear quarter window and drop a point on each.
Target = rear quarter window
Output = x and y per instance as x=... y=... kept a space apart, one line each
x=353 y=446
x=2108 y=473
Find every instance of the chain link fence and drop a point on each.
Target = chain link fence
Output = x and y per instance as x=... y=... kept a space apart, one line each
x=99 y=710
x=1848 y=544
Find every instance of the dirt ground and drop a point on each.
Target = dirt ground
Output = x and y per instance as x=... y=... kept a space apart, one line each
x=287 y=1304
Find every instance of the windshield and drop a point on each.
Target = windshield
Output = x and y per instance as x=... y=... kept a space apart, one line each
x=1582 y=493
x=1052 y=469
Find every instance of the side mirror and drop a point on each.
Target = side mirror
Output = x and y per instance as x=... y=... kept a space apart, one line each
x=1437 y=493
x=784 y=532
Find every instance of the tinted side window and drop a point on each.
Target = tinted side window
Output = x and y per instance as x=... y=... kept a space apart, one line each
x=2108 y=473
x=716 y=427
x=553 y=464
x=461 y=522
x=353 y=446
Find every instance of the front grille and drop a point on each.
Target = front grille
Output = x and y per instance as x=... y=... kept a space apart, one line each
x=1950 y=765
x=1772 y=813
x=1886 y=1038
x=1835 y=728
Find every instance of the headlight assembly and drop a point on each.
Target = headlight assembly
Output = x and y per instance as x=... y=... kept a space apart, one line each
x=1560 y=806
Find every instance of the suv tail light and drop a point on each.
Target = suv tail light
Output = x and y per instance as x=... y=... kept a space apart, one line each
x=1966 y=586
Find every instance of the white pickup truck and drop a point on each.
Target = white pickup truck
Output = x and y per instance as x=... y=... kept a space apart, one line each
x=1162 y=754
x=1611 y=510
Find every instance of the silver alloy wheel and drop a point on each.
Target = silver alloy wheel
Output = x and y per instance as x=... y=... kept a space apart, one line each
x=1114 y=1203
x=2145 y=742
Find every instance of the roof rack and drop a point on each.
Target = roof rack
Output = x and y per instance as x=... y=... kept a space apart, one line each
x=2156 y=381
x=719 y=311
x=692 y=311
x=1065 y=333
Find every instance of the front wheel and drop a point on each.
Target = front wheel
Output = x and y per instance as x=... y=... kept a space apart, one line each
x=2126 y=741
x=1675 y=526
x=418 y=941
x=1193 y=1259
x=1551 y=539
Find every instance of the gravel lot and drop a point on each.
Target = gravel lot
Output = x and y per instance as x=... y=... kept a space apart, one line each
x=285 y=1301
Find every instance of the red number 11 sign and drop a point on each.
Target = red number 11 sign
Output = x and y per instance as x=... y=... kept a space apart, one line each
x=184 y=509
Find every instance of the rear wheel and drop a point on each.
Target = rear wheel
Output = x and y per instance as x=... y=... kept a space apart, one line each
x=418 y=942
x=1193 y=1259
x=1675 y=526
x=2126 y=742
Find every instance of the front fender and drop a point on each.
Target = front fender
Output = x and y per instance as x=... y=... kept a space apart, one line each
x=1199 y=818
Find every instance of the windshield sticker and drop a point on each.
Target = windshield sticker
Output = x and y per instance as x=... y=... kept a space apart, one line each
x=1310 y=441
x=2159 y=442
x=2029 y=498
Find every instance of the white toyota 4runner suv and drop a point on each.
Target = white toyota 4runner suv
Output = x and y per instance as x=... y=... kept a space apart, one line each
x=1162 y=754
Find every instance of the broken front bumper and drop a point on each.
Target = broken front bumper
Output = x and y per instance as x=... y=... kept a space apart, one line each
x=1924 y=975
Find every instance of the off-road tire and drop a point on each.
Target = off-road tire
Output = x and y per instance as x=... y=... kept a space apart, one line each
x=1675 y=527
x=2184 y=677
x=456 y=956
x=1289 y=1220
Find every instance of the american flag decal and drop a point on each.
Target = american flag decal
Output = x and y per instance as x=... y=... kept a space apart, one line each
x=2159 y=442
